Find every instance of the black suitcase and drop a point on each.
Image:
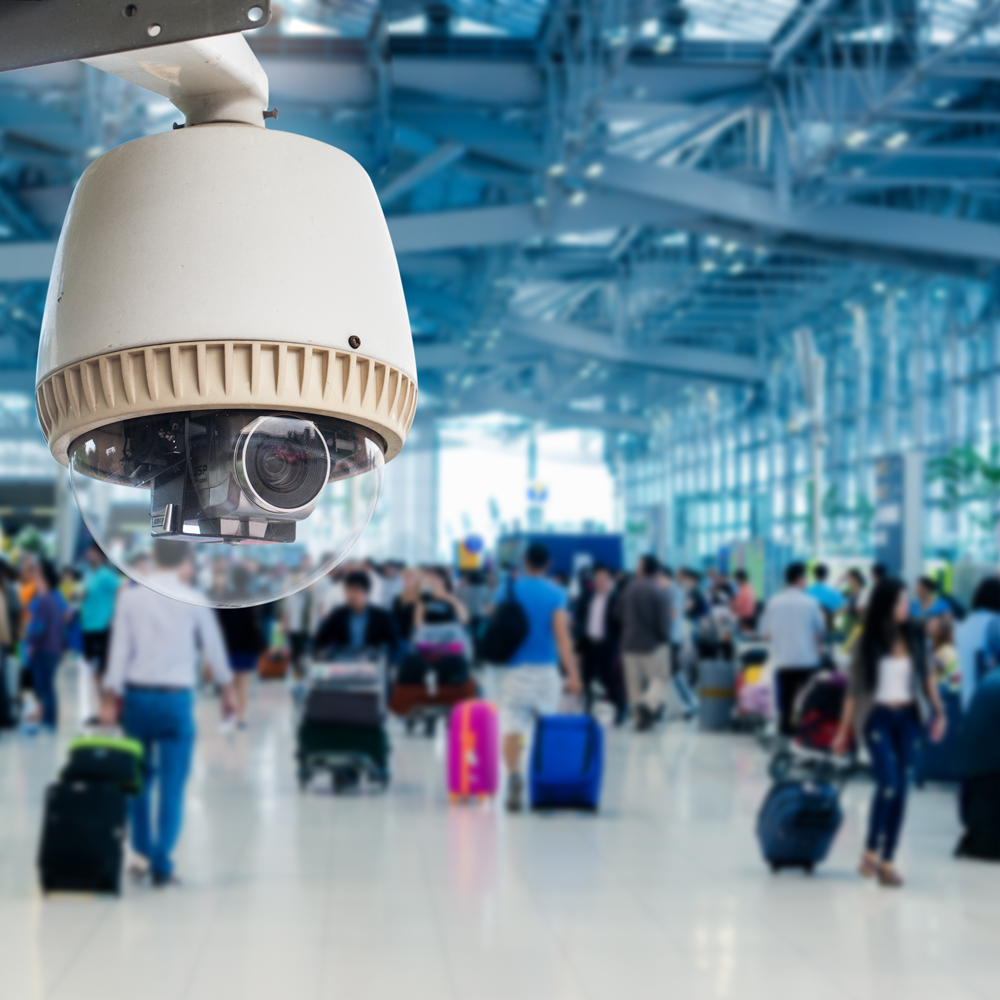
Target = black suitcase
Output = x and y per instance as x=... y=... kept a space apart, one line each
x=354 y=706
x=83 y=836
x=99 y=764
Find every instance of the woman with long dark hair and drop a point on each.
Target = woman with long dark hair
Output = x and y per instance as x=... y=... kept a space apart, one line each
x=892 y=693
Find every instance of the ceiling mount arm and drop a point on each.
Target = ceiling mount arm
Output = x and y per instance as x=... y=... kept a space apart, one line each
x=208 y=80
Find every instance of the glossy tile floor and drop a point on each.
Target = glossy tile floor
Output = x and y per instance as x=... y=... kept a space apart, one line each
x=403 y=897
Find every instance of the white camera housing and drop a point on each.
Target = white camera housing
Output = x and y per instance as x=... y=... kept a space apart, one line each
x=223 y=266
x=225 y=352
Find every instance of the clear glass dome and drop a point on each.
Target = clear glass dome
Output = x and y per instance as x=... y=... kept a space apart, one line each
x=227 y=508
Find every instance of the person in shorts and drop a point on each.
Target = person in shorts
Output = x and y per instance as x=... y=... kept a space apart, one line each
x=531 y=683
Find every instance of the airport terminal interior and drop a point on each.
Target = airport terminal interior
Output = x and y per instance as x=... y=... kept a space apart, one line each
x=550 y=551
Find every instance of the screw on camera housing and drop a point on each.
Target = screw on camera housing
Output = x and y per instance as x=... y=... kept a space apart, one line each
x=354 y=340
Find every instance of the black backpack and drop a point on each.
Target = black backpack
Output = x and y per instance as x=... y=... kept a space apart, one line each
x=507 y=628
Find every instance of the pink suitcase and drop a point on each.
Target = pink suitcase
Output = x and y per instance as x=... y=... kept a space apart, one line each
x=473 y=750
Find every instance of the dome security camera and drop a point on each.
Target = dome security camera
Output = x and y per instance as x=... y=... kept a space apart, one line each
x=225 y=338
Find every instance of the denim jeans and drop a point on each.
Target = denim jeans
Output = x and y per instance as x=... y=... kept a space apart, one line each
x=163 y=721
x=43 y=676
x=892 y=736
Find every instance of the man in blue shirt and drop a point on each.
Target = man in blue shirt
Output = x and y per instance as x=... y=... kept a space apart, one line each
x=100 y=591
x=830 y=600
x=531 y=684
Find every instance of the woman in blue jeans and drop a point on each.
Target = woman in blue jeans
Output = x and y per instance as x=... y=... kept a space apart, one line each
x=891 y=694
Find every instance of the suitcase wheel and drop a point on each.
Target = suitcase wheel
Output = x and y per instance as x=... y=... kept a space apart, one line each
x=430 y=725
x=410 y=726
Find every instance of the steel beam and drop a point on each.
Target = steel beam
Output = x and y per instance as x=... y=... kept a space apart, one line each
x=534 y=409
x=441 y=158
x=692 y=362
x=493 y=226
x=844 y=226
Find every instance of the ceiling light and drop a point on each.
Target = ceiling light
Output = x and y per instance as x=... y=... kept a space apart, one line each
x=594 y=170
x=577 y=198
x=712 y=241
x=541 y=201
x=708 y=266
x=945 y=100
x=738 y=268
x=731 y=247
x=896 y=140
x=878 y=288
x=93 y=152
x=557 y=170
x=665 y=45
x=650 y=28
x=856 y=139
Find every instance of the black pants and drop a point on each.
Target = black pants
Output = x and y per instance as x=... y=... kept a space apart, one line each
x=597 y=660
x=95 y=649
x=789 y=681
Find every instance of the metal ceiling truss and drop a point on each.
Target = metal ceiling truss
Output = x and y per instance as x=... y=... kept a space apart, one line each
x=597 y=217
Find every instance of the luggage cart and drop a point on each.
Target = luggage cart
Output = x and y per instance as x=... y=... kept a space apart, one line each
x=341 y=724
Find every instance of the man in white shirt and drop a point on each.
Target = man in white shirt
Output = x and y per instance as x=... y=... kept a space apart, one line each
x=157 y=645
x=793 y=623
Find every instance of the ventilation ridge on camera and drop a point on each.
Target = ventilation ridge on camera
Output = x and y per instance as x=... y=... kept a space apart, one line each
x=232 y=374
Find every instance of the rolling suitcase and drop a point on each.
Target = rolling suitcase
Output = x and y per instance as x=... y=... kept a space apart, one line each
x=798 y=823
x=473 y=750
x=83 y=836
x=567 y=763
x=105 y=759
x=361 y=706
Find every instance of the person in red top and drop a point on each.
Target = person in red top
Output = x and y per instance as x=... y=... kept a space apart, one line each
x=745 y=602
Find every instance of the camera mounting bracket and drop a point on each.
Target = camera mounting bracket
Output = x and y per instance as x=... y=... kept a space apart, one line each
x=214 y=79
x=34 y=32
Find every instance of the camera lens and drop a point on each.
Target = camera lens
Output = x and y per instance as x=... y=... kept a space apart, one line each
x=283 y=462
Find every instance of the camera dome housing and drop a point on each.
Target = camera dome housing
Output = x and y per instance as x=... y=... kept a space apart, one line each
x=225 y=352
x=224 y=266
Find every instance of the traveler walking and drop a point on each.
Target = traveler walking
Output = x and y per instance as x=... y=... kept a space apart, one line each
x=245 y=641
x=45 y=641
x=530 y=684
x=794 y=625
x=100 y=589
x=891 y=691
x=597 y=635
x=153 y=662
x=645 y=616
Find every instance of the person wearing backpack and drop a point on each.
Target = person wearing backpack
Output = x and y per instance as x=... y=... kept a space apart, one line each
x=531 y=684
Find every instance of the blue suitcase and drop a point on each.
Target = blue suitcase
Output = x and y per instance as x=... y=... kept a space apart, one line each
x=567 y=763
x=797 y=824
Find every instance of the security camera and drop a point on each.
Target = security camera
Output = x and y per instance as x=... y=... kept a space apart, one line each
x=225 y=341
